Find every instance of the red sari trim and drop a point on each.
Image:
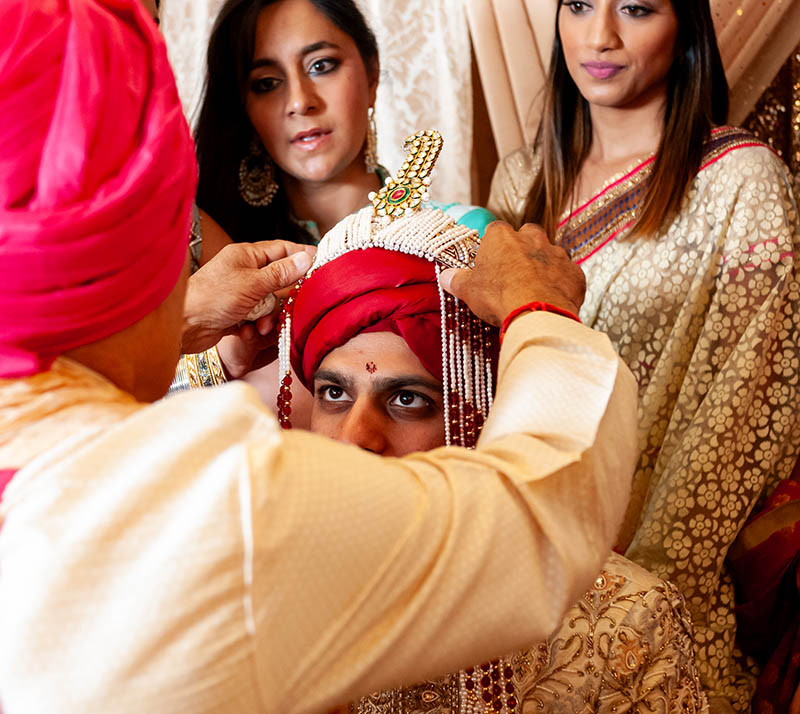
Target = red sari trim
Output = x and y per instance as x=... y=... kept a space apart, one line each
x=612 y=211
x=765 y=561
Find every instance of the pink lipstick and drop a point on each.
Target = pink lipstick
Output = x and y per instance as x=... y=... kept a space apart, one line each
x=603 y=70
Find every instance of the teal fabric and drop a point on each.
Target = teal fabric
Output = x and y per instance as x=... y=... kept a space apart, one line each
x=473 y=217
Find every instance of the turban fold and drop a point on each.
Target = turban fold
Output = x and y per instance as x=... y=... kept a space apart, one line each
x=97 y=176
x=372 y=290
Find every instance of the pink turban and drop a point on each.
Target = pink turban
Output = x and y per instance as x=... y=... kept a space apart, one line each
x=97 y=176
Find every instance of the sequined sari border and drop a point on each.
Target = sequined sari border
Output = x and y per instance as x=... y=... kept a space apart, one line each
x=615 y=199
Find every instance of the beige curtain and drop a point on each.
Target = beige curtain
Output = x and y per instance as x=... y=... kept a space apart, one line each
x=755 y=39
x=186 y=25
x=512 y=41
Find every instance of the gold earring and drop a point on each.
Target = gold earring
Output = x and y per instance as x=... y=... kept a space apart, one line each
x=371 y=148
x=257 y=184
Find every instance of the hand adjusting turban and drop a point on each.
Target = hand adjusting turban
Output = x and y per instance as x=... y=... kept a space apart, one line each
x=97 y=176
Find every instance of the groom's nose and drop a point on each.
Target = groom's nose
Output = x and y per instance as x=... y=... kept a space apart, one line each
x=364 y=427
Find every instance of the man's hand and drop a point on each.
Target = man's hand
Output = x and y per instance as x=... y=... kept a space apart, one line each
x=223 y=292
x=514 y=268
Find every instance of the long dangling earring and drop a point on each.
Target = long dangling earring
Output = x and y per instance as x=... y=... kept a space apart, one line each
x=371 y=149
x=257 y=184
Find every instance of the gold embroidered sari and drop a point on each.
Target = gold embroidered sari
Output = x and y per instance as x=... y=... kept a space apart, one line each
x=707 y=316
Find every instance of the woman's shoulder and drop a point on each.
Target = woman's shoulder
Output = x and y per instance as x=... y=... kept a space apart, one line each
x=623 y=581
x=519 y=168
x=512 y=183
x=746 y=181
x=525 y=158
x=737 y=150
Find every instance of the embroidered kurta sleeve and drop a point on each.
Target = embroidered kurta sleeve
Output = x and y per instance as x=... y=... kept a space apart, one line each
x=194 y=558
x=730 y=367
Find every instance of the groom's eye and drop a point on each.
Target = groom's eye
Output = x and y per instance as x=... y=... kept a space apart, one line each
x=407 y=399
x=330 y=393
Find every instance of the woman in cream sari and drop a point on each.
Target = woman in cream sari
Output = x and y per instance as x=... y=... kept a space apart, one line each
x=688 y=237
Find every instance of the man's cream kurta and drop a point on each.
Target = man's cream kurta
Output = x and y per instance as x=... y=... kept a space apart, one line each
x=190 y=557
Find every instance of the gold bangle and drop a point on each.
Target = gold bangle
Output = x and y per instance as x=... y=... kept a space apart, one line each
x=193 y=371
x=215 y=366
x=196 y=371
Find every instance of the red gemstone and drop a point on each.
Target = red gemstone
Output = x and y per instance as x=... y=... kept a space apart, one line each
x=486 y=697
x=398 y=194
x=511 y=702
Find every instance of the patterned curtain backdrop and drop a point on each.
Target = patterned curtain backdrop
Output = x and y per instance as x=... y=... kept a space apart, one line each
x=425 y=79
x=425 y=83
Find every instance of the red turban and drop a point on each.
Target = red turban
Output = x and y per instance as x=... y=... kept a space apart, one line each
x=97 y=176
x=372 y=290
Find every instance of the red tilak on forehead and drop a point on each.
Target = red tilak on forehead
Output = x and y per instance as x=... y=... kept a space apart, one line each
x=371 y=367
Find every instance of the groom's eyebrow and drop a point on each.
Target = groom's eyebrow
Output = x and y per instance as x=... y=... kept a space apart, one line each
x=334 y=377
x=380 y=384
x=392 y=384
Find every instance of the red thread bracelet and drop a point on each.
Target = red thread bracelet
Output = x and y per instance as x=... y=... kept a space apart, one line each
x=535 y=306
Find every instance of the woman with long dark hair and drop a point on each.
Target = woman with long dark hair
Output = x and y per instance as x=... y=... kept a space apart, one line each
x=687 y=232
x=285 y=139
